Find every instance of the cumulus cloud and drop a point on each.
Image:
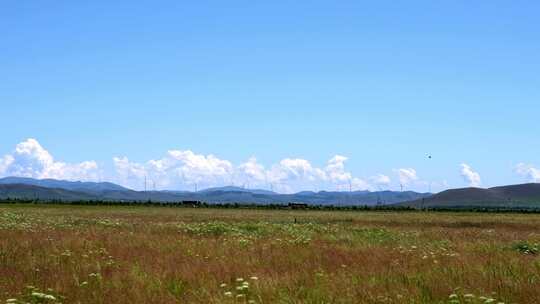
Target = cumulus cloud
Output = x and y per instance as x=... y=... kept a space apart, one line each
x=252 y=172
x=129 y=173
x=381 y=180
x=295 y=173
x=360 y=184
x=335 y=170
x=470 y=176
x=406 y=175
x=199 y=168
x=295 y=169
x=531 y=173
x=30 y=159
x=176 y=167
x=5 y=162
x=187 y=170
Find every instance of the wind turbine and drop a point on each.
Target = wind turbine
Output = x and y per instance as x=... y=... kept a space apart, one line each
x=350 y=191
x=183 y=181
x=379 y=201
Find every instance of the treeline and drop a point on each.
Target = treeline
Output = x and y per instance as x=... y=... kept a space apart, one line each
x=284 y=206
x=200 y=204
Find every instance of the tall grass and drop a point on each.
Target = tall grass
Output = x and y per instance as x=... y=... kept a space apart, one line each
x=84 y=254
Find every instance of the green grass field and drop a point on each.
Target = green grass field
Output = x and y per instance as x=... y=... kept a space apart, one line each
x=76 y=254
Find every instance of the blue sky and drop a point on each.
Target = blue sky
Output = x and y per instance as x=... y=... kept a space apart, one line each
x=382 y=83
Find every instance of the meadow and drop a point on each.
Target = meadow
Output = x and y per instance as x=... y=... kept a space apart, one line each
x=126 y=254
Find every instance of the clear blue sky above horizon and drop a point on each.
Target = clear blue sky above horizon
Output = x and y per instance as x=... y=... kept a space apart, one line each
x=384 y=83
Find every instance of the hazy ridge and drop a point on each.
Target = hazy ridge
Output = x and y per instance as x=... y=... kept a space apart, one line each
x=14 y=187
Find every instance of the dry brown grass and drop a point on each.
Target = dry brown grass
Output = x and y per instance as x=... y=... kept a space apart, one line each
x=177 y=255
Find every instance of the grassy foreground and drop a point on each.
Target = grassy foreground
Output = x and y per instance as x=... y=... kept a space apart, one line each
x=85 y=254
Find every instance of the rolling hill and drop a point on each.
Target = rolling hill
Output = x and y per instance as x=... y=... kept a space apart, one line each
x=522 y=195
x=23 y=191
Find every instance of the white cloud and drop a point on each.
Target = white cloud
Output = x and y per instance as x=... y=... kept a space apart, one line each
x=406 y=175
x=360 y=184
x=185 y=170
x=336 y=174
x=295 y=173
x=410 y=181
x=128 y=173
x=176 y=167
x=531 y=173
x=470 y=176
x=381 y=180
x=5 y=162
x=293 y=169
x=198 y=168
x=335 y=170
x=252 y=172
x=30 y=159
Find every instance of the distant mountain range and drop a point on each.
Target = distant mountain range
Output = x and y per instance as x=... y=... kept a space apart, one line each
x=237 y=189
x=62 y=184
x=50 y=189
x=523 y=195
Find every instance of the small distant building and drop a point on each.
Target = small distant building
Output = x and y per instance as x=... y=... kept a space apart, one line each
x=191 y=203
x=298 y=205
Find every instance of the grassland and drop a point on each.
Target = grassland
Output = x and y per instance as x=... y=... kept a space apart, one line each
x=85 y=254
